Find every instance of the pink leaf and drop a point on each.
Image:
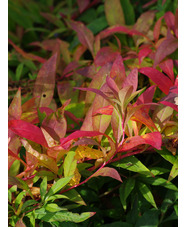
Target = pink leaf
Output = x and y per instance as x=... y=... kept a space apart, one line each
x=82 y=4
x=45 y=82
x=85 y=35
x=78 y=134
x=108 y=172
x=112 y=85
x=170 y=20
x=118 y=71
x=116 y=125
x=157 y=27
x=143 y=53
x=70 y=67
x=162 y=81
x=132 y=79
x=166 y=103
x=167 y=67
x=105 y=55
x=28 y=131
x=14 y=110
x=154 y=139
x=167 y=47
x=107 y=110
x=147 y=96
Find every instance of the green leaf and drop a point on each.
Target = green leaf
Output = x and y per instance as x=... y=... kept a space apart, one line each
x=74 y=196
x=133 y=164
x=170 y=198
x=128 y=11
x=58 y=186
x=41 y=116
x=67 y=216
x=156 y=181
x=57 y=196
x=53 y=207
x=43 y=188
x=69 y=164
x=158 y=170
x=149 y=219
x=174 y=170
x=167 y=155
x=118 y=224
x=32 y=219
x=145 y=191
x=19 y=198
x=114 y=12
x=19 y=71
x=125 y=191
x=10 y=191
x=28 y=203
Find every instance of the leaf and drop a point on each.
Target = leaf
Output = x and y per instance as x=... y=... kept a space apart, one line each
x=154 y=139
x=74 y=196
x=43 y=188
x=116 y=125
x=167 y=155
x=87 y=152
x=53 y=207
x=167 y=47
x=62 y=216
x=170 y=20
x=43 y=159
x=82 y=4
x=128 y=10
x=133 y=164
x=107 y=172
x=114 y=12
x=57 y=186
x=14 y=110
x=144 y=52
x=19 y=70
x=78 y=134
x=156 y=31
x=112 y=85
x=107 y=110
x=125 y=190
x=167 y=67
x=69 y=164
x=131 y=79
x=162 y=81
x=28 y=131
x=157 y=181
x=174 y=170
x=145 y=191
x=150 y=218
x=29 y=203
x=27 y=55
x=147 y=96
x=45 y=82
x=85 y=35
x=20 y=223
x=118 y=71
x=105 y=55
x=118 y=224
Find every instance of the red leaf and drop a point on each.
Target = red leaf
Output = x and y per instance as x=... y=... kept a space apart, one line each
x=167 y=67
x=82 y=4
x=108 y=172
x=105 y=55
x=45 y=82
x=157 y=27
x=147 y=96
x=78 y=134
x=27 y=55
x=112 y=85
x=118 y=71
x=143 y=53
x=162 y=81
x=119 y=29
x=168 y=46
x=14 y=110
x=132 y=79
x=174 y=106
x=170 y=20
x=28 y=131
x=70 y=67
x=85 y=35
x=154 y=139
x=107 y=110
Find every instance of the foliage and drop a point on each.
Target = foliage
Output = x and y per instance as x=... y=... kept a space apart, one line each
x=93 y=105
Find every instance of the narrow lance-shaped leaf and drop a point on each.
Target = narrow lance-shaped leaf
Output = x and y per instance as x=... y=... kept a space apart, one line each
x=107 y=110
x=116 y=123
x=43 y=188
x=147 y=194
x=131 y=79
x=82 y=4
x=43 y=159
x=167 y=67
x=14 y=110
x=174 y=170
x=45 y=82
x=85 y=35
x=162 y=81
x=28 y=131
x=114 y=12
x=125 y=191
x=69 y=164
x=154 y=139
x=108 y=172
